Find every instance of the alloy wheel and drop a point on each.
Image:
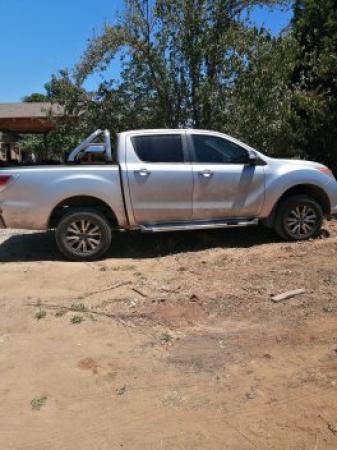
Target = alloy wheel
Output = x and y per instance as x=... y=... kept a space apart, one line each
x=301 y=221
x=83 y=236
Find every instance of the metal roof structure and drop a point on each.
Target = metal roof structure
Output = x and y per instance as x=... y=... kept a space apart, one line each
x=28 y=117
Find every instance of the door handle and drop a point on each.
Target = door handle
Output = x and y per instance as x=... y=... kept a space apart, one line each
x=143 y=172
x=206 y=173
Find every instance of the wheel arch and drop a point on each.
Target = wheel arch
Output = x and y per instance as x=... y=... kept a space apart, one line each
x=81 y=201
x=311 y=190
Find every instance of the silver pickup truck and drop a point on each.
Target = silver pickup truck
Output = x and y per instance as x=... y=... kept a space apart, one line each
x=164 y=180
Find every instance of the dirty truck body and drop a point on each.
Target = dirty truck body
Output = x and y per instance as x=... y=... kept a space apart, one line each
x=165 y=180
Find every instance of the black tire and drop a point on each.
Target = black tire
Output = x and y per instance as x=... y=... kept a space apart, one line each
x=83 y=235
x=298 y=218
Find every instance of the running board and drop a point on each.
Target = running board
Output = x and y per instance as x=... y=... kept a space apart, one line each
x=185 y=226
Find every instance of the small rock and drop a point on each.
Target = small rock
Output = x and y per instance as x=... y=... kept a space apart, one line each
x=194 y=298
x=250 y=395
x=3 y=339
x=332 y=428
x=133 y=303
x=121 y=391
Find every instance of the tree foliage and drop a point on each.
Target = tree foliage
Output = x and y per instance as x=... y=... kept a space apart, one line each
x=36 y=97
x=315 y=78
x=182 y=58
x=200 y=63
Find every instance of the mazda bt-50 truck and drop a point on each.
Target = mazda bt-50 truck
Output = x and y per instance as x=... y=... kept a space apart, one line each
x=164 y=180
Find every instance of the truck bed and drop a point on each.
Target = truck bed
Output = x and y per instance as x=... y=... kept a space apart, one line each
x=35 y=191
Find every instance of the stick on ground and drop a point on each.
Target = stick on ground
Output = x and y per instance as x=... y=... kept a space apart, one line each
x=287 y=295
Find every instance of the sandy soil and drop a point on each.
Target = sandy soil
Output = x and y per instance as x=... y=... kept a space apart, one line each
x=170 y=343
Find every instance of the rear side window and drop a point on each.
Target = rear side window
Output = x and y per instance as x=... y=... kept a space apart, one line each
x=159 y=148
x=217 y=150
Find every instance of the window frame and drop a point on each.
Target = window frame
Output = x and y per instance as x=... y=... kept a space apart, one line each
x=184 y=146
x=193 y=155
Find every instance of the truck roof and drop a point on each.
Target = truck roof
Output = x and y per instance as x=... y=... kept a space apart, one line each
x=168 y=131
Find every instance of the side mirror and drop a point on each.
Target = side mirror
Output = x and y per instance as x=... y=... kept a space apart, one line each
x=253 y=159
x=95 y=148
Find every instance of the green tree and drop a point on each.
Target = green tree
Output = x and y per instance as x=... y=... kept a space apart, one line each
x=76 y=104
x=315 y=78
x=185 y=63
x=260 y=104
x=36 y=97
x=181 y=59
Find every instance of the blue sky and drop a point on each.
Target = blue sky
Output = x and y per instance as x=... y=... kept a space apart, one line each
x=39 y=37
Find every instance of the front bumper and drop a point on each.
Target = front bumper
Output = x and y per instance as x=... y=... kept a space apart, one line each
x=331 y=190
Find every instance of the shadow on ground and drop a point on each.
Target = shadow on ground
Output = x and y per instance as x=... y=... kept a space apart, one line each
x=41 y=246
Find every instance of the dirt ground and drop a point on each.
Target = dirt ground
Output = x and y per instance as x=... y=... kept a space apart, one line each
x=172 y=342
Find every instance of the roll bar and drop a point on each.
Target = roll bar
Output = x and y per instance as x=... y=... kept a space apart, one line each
x=89 y=140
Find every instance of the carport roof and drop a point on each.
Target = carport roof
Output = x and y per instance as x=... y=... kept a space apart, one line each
x=28 y=117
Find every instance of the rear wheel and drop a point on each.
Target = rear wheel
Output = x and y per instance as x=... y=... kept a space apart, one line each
x=298 y=218
x=83 y=235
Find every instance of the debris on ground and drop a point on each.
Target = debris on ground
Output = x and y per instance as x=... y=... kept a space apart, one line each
x=287 y=295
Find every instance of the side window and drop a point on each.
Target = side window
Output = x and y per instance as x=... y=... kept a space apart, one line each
x=217 y=150
x=159 y=148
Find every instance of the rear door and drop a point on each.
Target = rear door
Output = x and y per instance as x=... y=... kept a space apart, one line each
x=160 y=178
x=225 y=185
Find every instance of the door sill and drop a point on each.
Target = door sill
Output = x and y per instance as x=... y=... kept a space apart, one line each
x=200 y=225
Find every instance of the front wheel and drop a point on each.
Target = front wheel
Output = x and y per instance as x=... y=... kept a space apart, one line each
x=83 y=235
x=298 y=218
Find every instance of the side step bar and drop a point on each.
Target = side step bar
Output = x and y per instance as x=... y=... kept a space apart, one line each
x=185 y=226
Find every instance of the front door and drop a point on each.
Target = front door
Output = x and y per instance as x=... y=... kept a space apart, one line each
x=225 y=185
x=160 y=178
